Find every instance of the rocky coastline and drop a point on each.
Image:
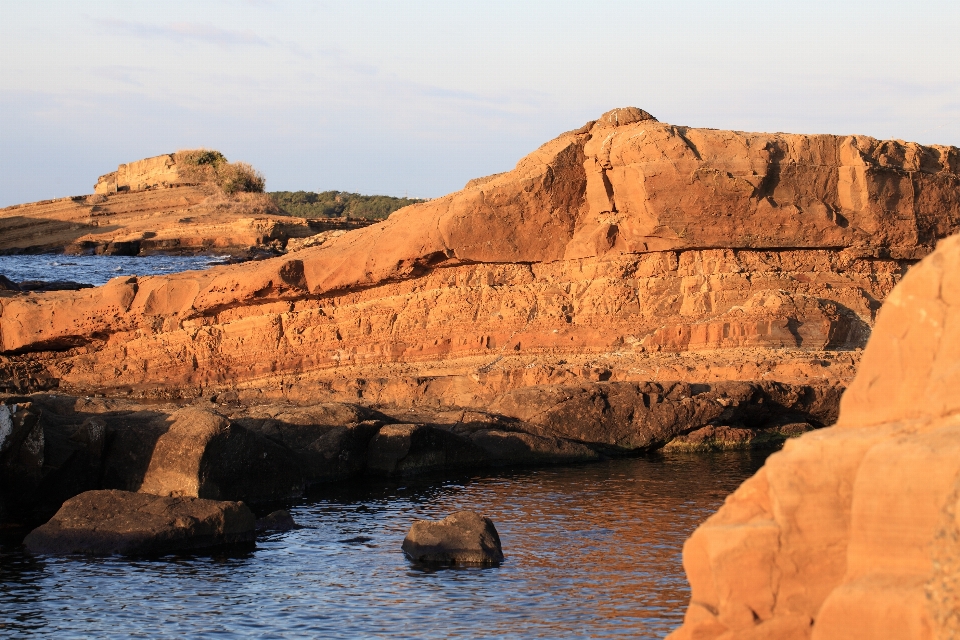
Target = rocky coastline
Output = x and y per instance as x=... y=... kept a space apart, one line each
x=631 y=286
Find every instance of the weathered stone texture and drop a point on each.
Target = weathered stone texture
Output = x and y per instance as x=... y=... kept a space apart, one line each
x=851 y=531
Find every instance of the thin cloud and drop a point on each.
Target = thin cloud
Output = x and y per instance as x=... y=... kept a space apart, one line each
x=184 y=32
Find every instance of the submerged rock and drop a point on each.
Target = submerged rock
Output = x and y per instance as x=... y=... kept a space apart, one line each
x=279 y=520
x=464 y=537
x=121 y=522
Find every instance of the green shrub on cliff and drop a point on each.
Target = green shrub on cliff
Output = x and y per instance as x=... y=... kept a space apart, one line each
x=335 y=204
x=207 y=165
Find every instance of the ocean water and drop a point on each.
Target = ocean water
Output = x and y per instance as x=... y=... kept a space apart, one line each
x=97 y=270
x=591 y=551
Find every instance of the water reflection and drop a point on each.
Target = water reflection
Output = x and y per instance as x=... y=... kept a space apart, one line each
x=591 y=551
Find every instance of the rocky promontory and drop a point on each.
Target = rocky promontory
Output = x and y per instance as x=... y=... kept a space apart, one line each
x=630 y=285
x=184 y=202
x=627 y=250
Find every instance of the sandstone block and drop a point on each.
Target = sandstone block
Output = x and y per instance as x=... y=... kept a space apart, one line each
x=854 y=527
x=330 y=440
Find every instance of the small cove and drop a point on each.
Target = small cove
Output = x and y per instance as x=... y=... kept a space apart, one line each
x=591 y=551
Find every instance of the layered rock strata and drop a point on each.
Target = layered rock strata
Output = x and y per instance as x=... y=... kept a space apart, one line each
x=853 y=531
x=181 y=218
x=627 y=239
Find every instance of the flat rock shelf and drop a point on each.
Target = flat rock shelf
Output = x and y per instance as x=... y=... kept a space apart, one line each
x=591 y=550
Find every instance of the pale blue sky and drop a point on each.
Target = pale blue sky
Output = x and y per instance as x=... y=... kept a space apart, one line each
x=418 y=97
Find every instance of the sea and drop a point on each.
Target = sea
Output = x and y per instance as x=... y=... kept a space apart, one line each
x=97 y=270
x=591 y=551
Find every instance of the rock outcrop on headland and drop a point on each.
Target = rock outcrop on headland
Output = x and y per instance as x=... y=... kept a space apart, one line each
x=853 y=531
x=628 y=250
x=157 y=205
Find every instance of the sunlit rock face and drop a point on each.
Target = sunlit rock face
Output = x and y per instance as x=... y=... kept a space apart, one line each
x=852 y=531
x=628 y=249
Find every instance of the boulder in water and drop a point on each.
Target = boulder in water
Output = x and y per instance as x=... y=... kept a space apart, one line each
x=126 y=523
x=462 y=538
x=279 y=520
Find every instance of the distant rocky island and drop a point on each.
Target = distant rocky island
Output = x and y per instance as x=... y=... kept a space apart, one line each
x=631 y=286
x=187 y=202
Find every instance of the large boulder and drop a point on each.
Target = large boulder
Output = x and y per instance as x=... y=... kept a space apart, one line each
x=464 y=537
x=852 y=531
x=121 y=522
x=204 y=455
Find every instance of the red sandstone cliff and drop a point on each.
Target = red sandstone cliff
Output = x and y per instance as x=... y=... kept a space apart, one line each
x=853 y=531
x=601 y=255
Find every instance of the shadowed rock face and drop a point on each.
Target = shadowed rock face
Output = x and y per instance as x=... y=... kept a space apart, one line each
x=852 y=531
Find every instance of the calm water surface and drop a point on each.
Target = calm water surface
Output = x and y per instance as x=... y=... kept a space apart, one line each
x=591 y=551
x=96 y=270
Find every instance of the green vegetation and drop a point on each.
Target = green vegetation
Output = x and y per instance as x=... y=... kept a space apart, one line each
x=206 y=165
x=336 y=204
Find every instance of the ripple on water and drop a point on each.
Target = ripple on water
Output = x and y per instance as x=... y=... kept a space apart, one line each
x=591 y=551
x=97 y=270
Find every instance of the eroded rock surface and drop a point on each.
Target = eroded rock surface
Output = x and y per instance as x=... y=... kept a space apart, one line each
x=125 y=523
x=464 y=537
x=852 y=531
x=627 y=236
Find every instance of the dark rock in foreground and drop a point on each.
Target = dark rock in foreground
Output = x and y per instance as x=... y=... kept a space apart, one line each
x=125 y=523
x=462 y=538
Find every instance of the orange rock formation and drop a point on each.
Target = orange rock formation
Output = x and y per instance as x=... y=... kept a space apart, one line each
x=628 y=249
x=852 y=531
x=148 y=206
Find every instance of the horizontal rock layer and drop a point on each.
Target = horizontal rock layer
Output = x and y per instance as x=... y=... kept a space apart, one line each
x=627 y=236
x=853 y=531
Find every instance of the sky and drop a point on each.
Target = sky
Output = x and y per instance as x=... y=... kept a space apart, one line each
x=416 y=97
